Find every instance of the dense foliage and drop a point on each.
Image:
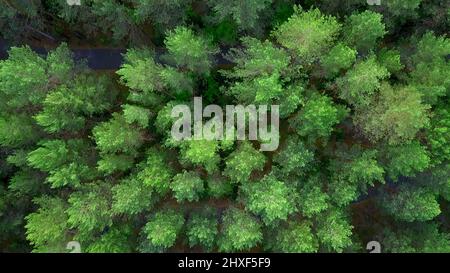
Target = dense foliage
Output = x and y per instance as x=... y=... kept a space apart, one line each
x=364 y=150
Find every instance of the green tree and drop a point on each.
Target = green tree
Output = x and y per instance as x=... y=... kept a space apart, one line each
x=189 y=51
x=317 y=117
x=439 y=136
x=411 y=203
x=395 y=116
x=202 y=229
x=362 y=30
x=308 y=33
x=89 y=209
x=116 y=135
x=163 y=228
x=242 y=162
x=296 y=237
x=406 y=160
x=131 y=196
x=240 y=231
x=334 y=230
x=361 y=82
x=294 y=157
x=339 y=58
x=270 y=198
x=43 y=236
x=116 y=240
x=312 y=199
x=431 y=71
x=187 y=186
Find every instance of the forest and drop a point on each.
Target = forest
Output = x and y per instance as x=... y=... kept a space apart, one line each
x=87 y=154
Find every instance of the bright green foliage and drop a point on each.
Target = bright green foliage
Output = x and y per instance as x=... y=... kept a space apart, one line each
x=260 y=90
x=21 y=75
x=131 y=196
x=242 y=162
x=136 y=114
x=60 y=63
x=308 y=33
x=352 y=172
x=431 y=74
x=317 y=117
x=163 y=227
x=187 y=186
x=361 y=82
x=294 y=157
x=39 y=232
x=406 y=160
x=240 y=231
x=339 y=58
x=269 y=198
x=202 y=152
x=110 y=163
x=202 y=230
x=189 y=51
x=155 y=172
x=439 y=136
x=257 y=59
x=65 y=162
x=116 y=240
x=312 y=199
x=260 y=66
x=362 y=30
x=296 y=237
x=116 y=135
x=89 y=209
x=412 y=204
x=390 y=58
x=395 y=116
x=431 y=48
x=67 y=107
x=334 y=230
x=244 y=13
x=88 y=156
x=140 y=72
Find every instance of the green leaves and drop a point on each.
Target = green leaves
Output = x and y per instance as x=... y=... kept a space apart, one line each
x=363 y=29
x=89 y=209
x=187 y=186
x=241 y=163
x=334 y=230
x=317 y=117
x=163 y=227
x=361 y=82
x=189 y=51
x=117 y=135
x=395 y=116
x=39 y=232
x=245 y=14
x=406 y=160
x=412 y=204
x=131 y=197
x=202 y=229
x=240 y=231
x=270 y=198
x=296 y=237
x=308 y=33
